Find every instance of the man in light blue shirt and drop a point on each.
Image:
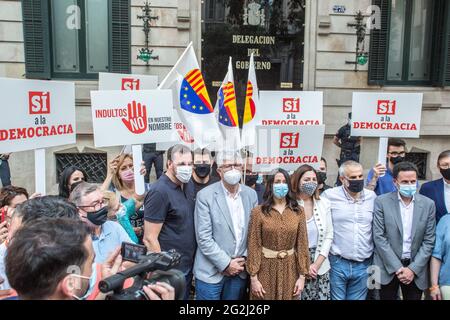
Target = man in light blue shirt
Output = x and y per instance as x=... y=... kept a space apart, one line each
x=107 y=236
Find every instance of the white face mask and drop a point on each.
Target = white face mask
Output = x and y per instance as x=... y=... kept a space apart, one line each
x=184 y=173
x=232 y=177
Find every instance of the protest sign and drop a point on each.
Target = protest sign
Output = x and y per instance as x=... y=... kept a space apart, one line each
x=287 y=147
x=36 y=115
x=393 y=115
x=117 y=81
x=290 y=108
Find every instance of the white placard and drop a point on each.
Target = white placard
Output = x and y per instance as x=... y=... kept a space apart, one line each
x=393 y=115
x=290 y=108
x=180 y=135
x=131 y=117
x=117 y=81
x=287 y=147
x=36 y=114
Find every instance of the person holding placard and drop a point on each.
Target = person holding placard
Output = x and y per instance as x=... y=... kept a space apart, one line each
x=121 y=176
x=352 y=247
x=278 y=257
x=320 y=232
x=380 y=178
x=439 y=190
x=404 y=235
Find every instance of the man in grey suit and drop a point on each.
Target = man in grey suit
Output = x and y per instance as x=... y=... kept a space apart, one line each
x=222 y=214
x=403 y=234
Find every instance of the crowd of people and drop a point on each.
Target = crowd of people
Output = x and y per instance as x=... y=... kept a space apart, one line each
x=241 y=234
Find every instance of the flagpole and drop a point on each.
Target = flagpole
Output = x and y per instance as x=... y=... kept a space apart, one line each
x=175 y=66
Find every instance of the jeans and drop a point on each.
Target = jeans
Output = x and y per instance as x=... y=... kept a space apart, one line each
x=348 y=278
x=155 y=158
x=229 y=288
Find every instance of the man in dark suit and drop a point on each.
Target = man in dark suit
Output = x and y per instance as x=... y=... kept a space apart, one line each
x=403 y=234
x=439 y=190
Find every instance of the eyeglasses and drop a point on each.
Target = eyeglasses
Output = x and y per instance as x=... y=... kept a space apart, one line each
x=97 y=205
x=228 y=167
x=397 y=154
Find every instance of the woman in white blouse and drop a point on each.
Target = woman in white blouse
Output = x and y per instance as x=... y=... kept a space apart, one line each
x=320 y=232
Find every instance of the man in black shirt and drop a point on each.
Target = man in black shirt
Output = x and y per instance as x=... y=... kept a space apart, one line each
x=201 y=176
x=169 y=211
x=251 y=180
x=322 y=176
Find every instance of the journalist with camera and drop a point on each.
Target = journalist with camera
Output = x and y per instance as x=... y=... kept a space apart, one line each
x=53 y=259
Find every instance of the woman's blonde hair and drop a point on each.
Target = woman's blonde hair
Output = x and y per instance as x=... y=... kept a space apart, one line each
x=116 y=180
x=112 y=199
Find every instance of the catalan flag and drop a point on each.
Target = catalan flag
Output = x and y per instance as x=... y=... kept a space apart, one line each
x=226 y=110
x=250 y=110
x=191 y=99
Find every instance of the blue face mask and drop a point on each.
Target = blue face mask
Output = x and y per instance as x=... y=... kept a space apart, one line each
x=407 y=190
x=280 y=190
x=92 y=282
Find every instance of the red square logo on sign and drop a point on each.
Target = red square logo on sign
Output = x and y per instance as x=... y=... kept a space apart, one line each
x=386 y=107
x=291 y=104
x=39 y=102
x=289 y=140
x=130 y=84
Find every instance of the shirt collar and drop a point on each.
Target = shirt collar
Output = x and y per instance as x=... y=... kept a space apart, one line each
x=228 y=194
x=446 y=185
x=401 y=200
x=361 y=199
x=169 y=182
x=104 y=232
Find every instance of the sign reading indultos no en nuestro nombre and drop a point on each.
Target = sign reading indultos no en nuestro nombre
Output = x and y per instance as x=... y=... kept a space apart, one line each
x=36 y=114
x=131 y=117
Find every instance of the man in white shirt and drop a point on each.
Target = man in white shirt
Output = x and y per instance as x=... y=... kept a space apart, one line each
x=352 y=247
x=222 y=214
x=404 y=233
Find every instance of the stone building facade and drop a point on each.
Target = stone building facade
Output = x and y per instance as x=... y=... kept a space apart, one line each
x=329 y=44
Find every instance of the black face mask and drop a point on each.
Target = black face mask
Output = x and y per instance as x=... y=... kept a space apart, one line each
x=250 y=180
x=98 y=217
x=202 y=170
x=446 y=173
x=396 y=160
x=321 y=177
x=355 y=186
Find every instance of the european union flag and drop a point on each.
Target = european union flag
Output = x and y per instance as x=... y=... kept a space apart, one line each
x=226 y=103
x=193 y=95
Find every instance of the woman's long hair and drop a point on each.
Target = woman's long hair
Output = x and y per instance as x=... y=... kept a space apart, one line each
x=291 y=202
x=65 y=178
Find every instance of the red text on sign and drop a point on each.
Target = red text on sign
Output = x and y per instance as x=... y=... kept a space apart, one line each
x=386 y=107
x=130 y=84
x=291 y=104
x=39 y=102
x=289 y=140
